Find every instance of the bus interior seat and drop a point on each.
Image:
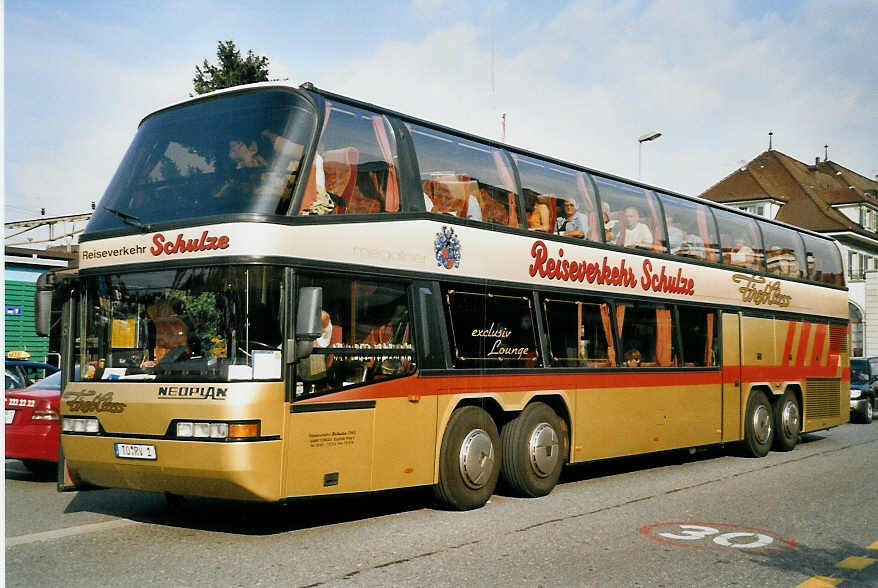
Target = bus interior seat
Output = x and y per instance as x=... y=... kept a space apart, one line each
x=340 y=169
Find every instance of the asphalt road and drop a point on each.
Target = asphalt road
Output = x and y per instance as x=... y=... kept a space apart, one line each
x=713 y=519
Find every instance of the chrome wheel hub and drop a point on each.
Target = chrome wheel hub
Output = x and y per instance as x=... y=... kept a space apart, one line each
x=789 y=418
x=762 y=423
x=543 y=448
x=476 y=459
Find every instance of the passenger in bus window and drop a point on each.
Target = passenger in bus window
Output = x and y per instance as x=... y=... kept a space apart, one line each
x=632 y=358
x=573 y=224
x=538 y=219
x=675 y=234
x=612 y=226
x=637 y=234
x=742 y=254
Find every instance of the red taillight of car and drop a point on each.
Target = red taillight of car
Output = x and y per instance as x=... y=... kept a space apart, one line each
x=44 y=412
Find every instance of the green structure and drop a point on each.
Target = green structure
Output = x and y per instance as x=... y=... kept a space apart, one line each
x=22 y=267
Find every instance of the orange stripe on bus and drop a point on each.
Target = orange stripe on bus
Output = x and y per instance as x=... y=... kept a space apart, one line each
x=803 y=344
x=819 y=339
x=788 y=344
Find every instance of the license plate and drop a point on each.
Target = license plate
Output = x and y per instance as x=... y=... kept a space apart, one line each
x=128 y=451
x=10 y=415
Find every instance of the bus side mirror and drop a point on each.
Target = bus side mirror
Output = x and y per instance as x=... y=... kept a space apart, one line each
x=43 y=304
x=308 y=320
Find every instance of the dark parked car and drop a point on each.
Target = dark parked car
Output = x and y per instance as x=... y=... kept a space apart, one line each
x=864 y=388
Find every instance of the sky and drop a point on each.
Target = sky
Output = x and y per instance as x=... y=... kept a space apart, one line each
x=579 y=80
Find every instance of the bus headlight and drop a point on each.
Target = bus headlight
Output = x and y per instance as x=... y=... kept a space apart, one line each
x=215 y=431
x=80 y=425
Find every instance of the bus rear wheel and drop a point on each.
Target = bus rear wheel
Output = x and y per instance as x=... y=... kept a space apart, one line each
x=469 y=465
x=534 y=448
x=787 y=423
x=758 y=425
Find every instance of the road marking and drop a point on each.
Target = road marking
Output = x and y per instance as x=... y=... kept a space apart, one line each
x=854 y=562
x=698 y=535
x=68 y=532
x=820 y=582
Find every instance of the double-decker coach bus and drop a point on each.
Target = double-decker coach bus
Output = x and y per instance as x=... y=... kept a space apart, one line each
x=287 y=293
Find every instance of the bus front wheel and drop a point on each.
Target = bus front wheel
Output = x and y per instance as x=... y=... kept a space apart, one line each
x=469 y=464
x=787 y=423
x=533 y=448
x=759 y=425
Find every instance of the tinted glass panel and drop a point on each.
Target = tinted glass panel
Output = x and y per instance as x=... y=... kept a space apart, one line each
x=631 y=216
x=464 y=178
x=232 y=154
x=647 y=335
x=355 y=168
x=784 y=252
x=698 y=329
x=547 y=189
x=691 y=229
x=740 y=240
x=578 y=332
x=491 y=330
x=366 y=335
x=823 y=260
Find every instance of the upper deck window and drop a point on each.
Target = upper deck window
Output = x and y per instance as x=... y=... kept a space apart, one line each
x=464 y=178
x=784 y=253
x=823 y=260
x=740 y=240
x=233 y=154
x=355 y=168
x=691 y=230
x=548 y=189
x=631 y=216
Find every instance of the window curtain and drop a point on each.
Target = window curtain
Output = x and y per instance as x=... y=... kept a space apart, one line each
x=658 y=234
x=709 y=250
x=509 y=186
x=708 y=345
x=608 y=333
x=391 y=196
x=663 y=347
x=620 y=317
x=589 y=208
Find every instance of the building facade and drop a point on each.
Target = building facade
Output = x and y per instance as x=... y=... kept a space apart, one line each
x=827 y=198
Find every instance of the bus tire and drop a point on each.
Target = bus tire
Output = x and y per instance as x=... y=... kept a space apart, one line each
x=533 y=446
x=758 y=425
x=469 y=464
x=787 y=422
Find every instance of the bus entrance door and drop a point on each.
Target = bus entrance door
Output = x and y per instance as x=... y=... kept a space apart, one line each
x=731 y=369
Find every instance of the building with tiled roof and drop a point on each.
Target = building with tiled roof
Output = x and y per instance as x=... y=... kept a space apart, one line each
x=824 y=197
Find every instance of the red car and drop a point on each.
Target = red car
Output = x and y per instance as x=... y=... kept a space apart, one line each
x=32 y=424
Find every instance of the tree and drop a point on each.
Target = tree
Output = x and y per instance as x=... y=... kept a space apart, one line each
x=231 y=70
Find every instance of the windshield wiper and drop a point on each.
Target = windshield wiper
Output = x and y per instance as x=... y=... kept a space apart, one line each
x=129 y=219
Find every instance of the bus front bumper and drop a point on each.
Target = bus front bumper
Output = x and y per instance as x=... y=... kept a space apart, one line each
x=243 y=470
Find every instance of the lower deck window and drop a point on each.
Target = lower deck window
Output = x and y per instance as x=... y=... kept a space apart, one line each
x=366 y=335
x=491 y=329
x=578 y=332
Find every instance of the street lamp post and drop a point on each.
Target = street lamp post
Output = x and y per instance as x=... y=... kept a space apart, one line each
x=640 y=141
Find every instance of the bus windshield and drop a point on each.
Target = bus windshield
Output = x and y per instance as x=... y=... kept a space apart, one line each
x=184 y=325
x=235 y=154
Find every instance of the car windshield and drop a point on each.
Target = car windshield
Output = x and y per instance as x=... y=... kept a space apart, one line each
x=184 y=325
x=859 y=371
x=53 y=382
x=234 y=154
